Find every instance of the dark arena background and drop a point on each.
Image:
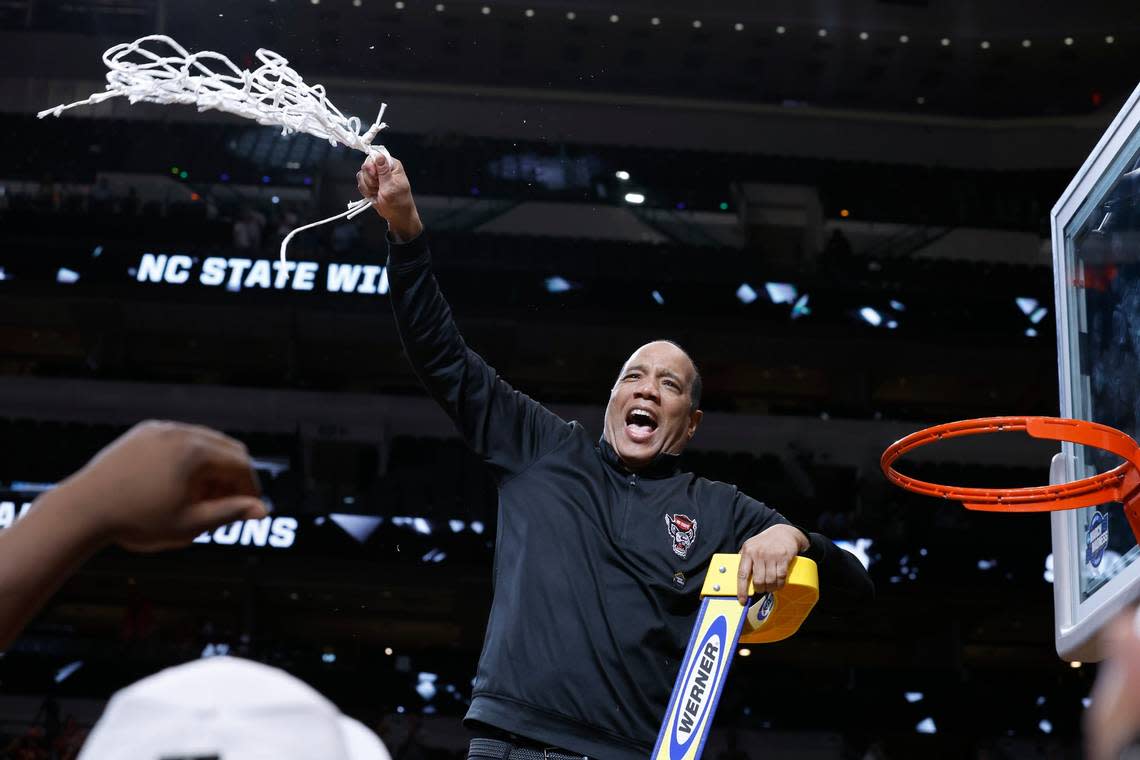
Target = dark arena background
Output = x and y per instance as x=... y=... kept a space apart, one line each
x=839 y=208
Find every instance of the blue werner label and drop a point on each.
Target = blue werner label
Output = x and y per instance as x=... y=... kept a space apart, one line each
x=699 y=681
x=704 y=669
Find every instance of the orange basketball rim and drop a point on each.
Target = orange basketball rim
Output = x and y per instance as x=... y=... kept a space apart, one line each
x=1121 y=484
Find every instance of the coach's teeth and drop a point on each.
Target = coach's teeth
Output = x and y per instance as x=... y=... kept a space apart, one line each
x=641 y=418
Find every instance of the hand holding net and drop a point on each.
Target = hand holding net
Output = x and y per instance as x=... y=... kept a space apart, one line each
x=156 y=69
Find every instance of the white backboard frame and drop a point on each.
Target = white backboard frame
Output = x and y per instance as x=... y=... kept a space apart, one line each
x=1077 y=622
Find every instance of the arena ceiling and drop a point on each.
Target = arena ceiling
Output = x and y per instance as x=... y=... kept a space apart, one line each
x=974 y=59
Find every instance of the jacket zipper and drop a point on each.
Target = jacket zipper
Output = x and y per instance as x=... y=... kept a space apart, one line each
x=630 y=485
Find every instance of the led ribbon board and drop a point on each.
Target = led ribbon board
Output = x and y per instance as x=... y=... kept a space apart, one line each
x=721 y=623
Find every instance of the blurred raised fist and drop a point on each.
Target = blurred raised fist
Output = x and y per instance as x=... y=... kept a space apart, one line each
x=161 y=484
x=1112 y=722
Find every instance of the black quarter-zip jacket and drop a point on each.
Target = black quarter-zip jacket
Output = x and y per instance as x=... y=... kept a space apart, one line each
x=595 y=595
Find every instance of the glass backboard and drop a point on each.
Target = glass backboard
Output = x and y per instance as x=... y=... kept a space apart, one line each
x=1096 y=269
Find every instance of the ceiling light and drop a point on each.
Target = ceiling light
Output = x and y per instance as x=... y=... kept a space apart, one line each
x=634 y=198
x=529 y=12
x=864 y=35
x=1109 y=40
x=655 y=21
x=822 y=32
x=571 y=15
x=486 y=10
x=440 y=8
x=615 y=18
x=781 y=292
x=557 y=284
x=870 y=316
x=622 y=174
x=800 y=308
x=696 y=23
x=399 y=5
x=780 y=30
x=1027 y=43
x=945 y=42
x=1068 y=40
x=920 y=100
x=738 y=26
x=985 y=45
x=904 y=38
x=1027 y=305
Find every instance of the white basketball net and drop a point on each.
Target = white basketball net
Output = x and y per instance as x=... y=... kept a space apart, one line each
x=156 y=69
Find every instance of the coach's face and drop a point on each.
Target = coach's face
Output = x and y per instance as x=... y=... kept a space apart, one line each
x=651 y=409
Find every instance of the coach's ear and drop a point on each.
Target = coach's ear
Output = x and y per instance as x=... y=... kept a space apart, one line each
x=694 y=420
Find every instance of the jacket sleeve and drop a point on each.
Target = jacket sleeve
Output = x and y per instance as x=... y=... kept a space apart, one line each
x=844 y=584
x=506 y=428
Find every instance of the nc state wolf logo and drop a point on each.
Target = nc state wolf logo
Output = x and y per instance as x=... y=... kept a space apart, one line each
x=683 y=531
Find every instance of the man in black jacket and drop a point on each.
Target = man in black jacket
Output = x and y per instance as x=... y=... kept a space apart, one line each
x=602 y=544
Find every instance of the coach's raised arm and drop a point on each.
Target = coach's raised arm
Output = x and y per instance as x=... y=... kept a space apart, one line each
x=507 y=429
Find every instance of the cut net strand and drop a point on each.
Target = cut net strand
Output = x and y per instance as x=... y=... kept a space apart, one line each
x=156 y=69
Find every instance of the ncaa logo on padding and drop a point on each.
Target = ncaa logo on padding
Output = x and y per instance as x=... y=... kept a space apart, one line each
x=1096 y=539
x=694 y=702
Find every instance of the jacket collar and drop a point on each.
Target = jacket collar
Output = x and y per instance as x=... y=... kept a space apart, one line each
x=663 y=465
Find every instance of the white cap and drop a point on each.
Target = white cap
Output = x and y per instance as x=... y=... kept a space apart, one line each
x=230 y=708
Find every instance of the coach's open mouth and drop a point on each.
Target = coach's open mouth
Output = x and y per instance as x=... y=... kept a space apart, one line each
x=640 y=424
